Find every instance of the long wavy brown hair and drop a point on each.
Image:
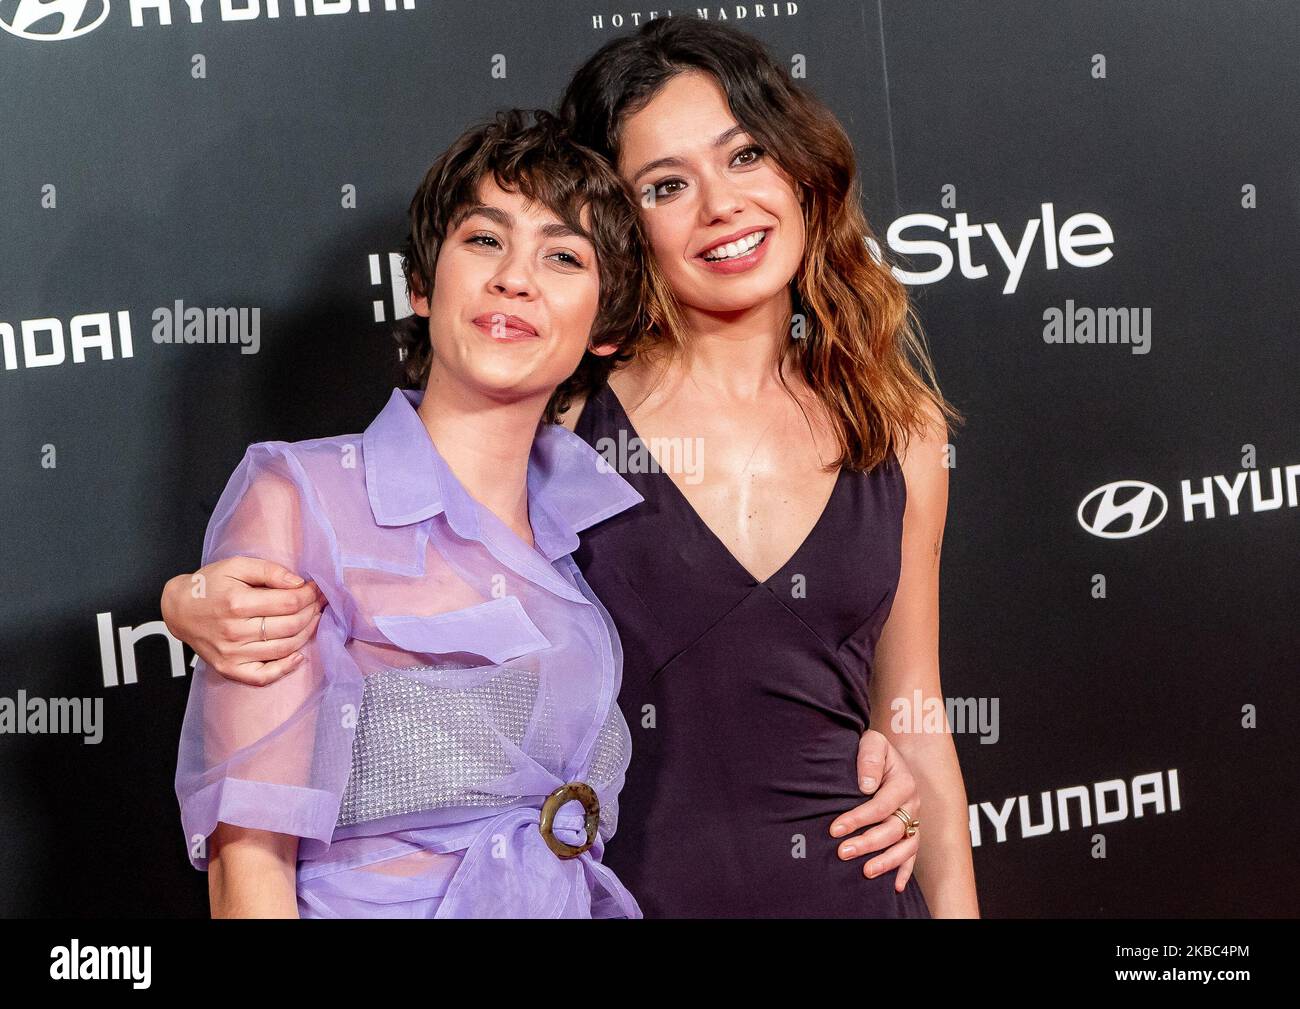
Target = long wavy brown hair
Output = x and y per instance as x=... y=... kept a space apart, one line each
x=863 y=352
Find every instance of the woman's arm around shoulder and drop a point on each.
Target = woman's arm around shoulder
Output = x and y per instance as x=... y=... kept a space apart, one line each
x=260 y=770
x=248 y=617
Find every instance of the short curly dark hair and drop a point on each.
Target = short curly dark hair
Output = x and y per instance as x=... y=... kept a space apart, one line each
x=539 y=160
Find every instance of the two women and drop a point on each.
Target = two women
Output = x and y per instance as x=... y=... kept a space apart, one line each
x=774 y=609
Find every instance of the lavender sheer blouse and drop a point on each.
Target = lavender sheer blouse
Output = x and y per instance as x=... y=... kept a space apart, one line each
x=456 y=679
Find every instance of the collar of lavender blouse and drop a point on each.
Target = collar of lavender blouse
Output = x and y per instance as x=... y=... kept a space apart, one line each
x=570 y=485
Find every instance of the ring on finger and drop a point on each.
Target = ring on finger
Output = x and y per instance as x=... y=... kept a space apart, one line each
x=910 y=825
x=264 y=628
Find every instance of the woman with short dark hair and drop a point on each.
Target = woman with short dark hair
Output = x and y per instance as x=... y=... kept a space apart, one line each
x=449 y=744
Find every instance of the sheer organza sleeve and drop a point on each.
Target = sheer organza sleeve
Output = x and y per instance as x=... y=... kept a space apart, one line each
x=273 y=757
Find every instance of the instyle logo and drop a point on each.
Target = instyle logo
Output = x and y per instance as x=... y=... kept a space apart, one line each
x=1076 y=233
x=1122 y=509
x=129 y=637
x=53 y=20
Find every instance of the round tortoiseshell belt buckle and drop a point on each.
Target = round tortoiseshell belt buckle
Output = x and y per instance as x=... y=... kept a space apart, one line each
x=584 y=794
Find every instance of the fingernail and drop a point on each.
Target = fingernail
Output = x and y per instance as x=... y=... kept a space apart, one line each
x=848 y=850
x=297 y=659
x=838 y=829
x=869 y=784
x=295 y=581
x=871 y=873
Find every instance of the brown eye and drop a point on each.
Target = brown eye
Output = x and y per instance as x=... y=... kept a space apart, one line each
x=668 y=182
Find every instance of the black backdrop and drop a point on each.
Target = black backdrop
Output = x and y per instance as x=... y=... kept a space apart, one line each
x=264 y=163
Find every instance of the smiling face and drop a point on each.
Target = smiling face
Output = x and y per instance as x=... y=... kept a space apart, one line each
x=724 y=221
x=515 y=294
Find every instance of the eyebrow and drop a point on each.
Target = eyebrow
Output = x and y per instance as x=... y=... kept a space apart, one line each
x=675 y=162
x=556 y=229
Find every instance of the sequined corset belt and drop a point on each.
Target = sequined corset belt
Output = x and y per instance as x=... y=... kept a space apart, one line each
x=440 y=737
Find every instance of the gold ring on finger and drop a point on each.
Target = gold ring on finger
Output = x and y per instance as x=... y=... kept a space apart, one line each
x=909 y=824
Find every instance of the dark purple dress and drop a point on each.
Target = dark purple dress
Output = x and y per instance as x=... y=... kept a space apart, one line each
x=745 y=699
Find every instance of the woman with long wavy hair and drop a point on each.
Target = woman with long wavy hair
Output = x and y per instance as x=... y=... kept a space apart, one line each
x=783 y=594
x=776 y=592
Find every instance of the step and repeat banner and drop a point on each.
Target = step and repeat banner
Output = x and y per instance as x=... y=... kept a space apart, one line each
x=1096 y=206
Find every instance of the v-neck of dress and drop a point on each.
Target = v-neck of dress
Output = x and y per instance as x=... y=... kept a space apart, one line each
x=707 y=529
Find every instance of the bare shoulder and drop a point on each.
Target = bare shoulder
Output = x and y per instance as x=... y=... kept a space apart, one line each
x=925 y=461
x=926 y=444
